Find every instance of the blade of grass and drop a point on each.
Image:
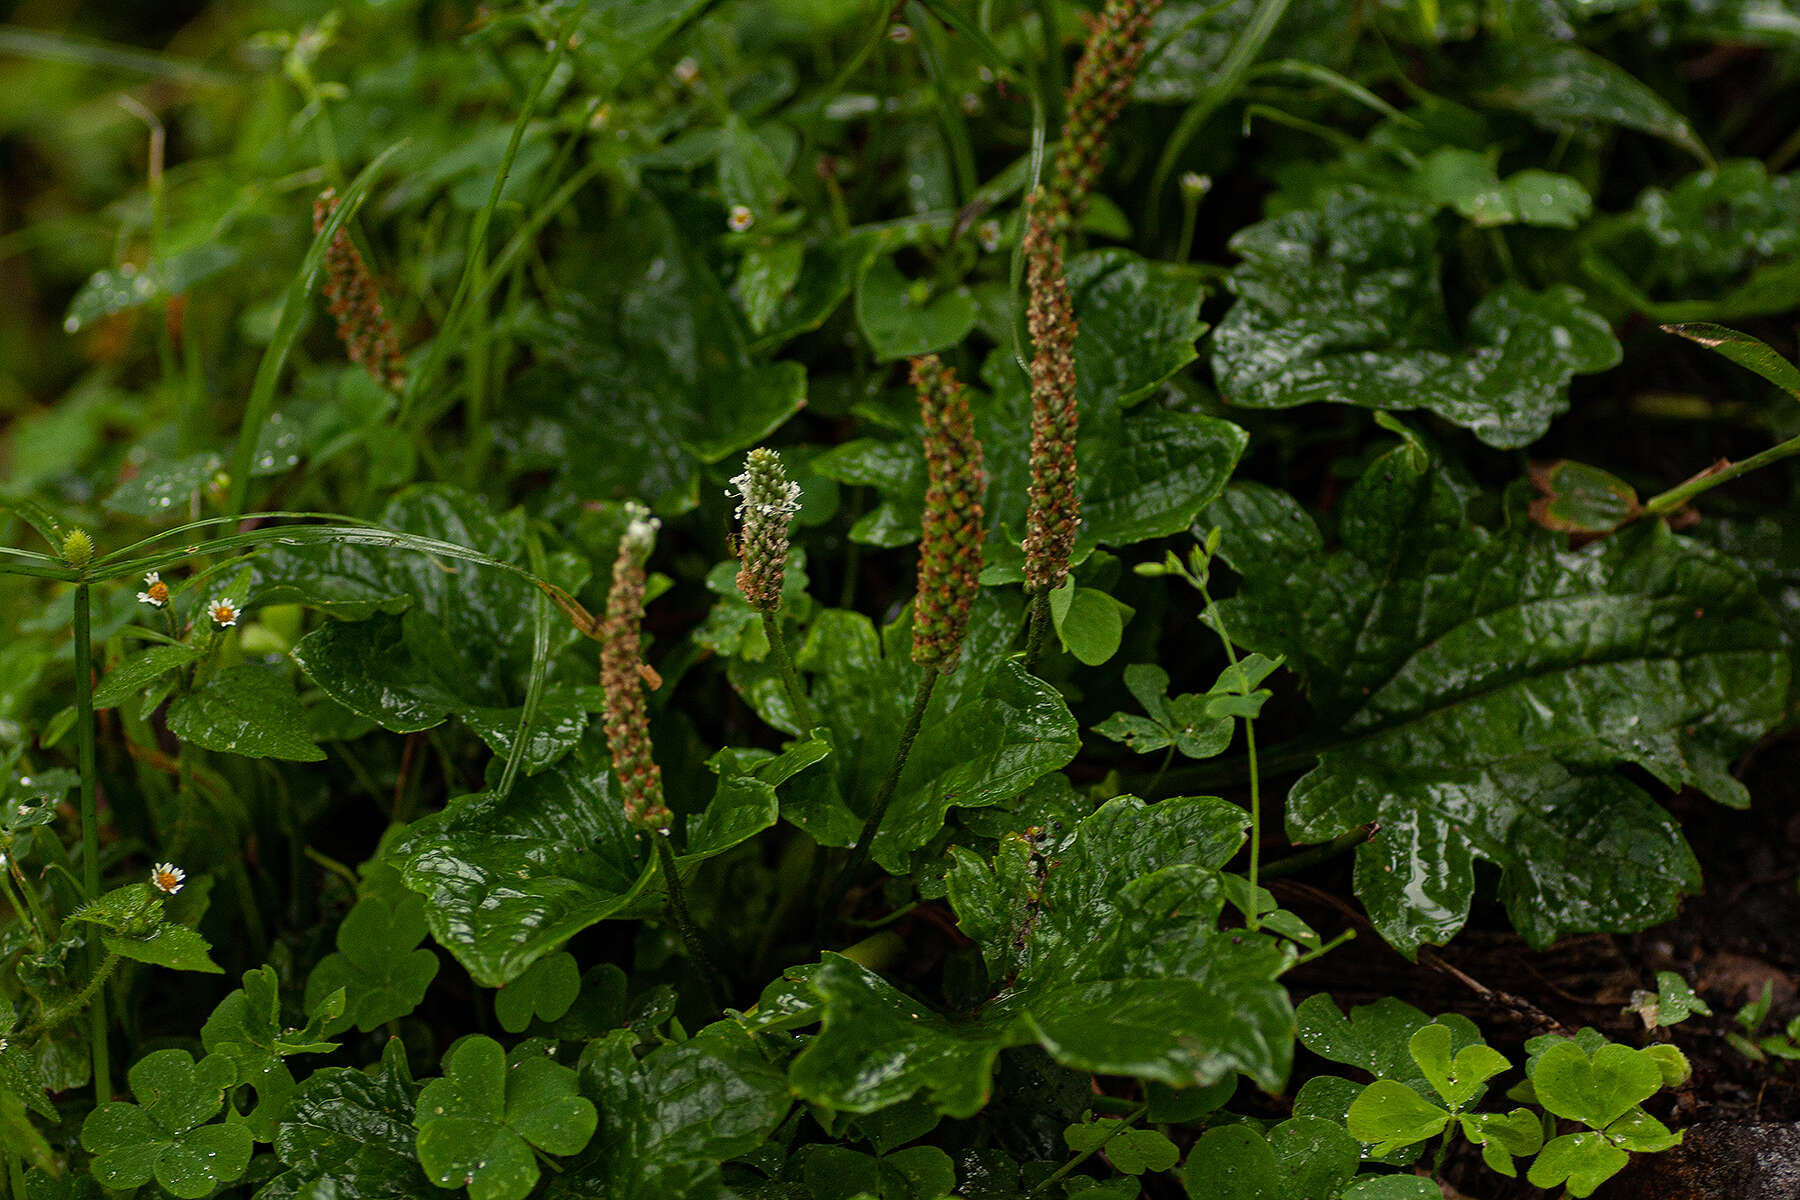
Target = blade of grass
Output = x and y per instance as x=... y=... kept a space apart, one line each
x=294 y=309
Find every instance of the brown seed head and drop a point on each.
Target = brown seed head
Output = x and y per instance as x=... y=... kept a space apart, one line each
x=622 y=678
x=354 y=302
x=1054 y=509
x=950 y=551
x=1103 y=80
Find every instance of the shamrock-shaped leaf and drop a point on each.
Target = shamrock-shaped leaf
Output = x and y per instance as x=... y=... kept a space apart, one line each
x=1595 y=1090
x=1132 y=1151
x=1391 y=1116
x=1583 y=1161
x=379 y=964
x=546 y=990
x=246 y=1027
x=1300 y=1159
x=165 y=1136
x=1504 y=1137
x=1458 y=1080
x=479 y=1124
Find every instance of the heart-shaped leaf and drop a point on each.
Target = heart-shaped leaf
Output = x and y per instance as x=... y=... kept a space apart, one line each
x=1595 y=1091
x=164 y=1137
x=479 y=1123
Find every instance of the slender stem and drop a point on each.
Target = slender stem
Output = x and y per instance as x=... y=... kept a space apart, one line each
x=1313 y=855
x=1720 y=472
x=30 y=917
x=15 y=1174
x=684 y=921
x=1167 y=758
x=71 y=1007
x=790 y=678
x=90 y=828
x=1040 y=626
x=1062 y=1172
x=1255 y=818
x=1443 y=1151
x=859 y=854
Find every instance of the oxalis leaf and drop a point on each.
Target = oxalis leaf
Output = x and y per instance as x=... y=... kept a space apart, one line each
x=507 y=881
x=1485 y=682
x=1344 y=305
x=165 y=1137
x=479 y=1124
x=378 y=963
x=1115 y=963
x=670 y=1118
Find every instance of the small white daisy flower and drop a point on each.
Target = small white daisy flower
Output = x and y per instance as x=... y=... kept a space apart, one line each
x=686 y=71
x=167 y=877
x=223 y=612
x=900 y=34
x=741 y=218
x=988 y=233
x=155 y=593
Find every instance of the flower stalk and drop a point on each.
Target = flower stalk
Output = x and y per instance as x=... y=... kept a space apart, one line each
x=767 y=502
x=90 y=835
x=355 y=304
x=1054 y=509
x=622 y=673
x=1103 y=80
x=950 y=550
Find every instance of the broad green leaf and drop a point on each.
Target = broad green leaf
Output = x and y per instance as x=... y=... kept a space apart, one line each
x=248 y=710
x=669 y=1119
x=1090 y=624
x=1314 y=1157
x=1376 y=1037
x=479 y=1123
x=1640 y=1132
x=129 y=677
x=545 y=990
x=1566 y=88
x=1583 y=1161
x=379 y=964
x=164 y=489
x=246 y=1028
x=647 y=359
x=1458 y=1080
x=176 y=947
x=1467 y=182
x=901 y=318
x=1719 y=245
x=1393 y=1187
x=163 y=1136
x=507 y=881
x=1391 y=1116
x=1504 y=1137
x=1344 y=305
x=352 y=1131
x=1595 y=1090
x=1485 y=682
x=1744 y=350
x=116 y=289
x=1232 y=1162
x=1120 y=969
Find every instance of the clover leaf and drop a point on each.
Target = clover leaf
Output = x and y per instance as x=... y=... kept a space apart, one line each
x=379 y=963
x=246 y=1028
x=1181 y=722
x=1132 y=1151
x=1299 y=1159
x=546 y=990
x=165 y=1136
x=479 y=1124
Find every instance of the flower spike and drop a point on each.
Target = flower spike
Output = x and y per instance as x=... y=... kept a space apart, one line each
x=950 y=551
x=622 y=673
x=1103 y=80
x=355 y=303
x=1054 y=509
x=767 y=502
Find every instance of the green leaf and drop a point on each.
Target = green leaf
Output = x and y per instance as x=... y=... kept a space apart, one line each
x=1120 y=969
x=901 y=319
x=352 y=1132
x=246 y=1027
x=176 y=947
x=248 y=710
x=132 y=674
x=117 y=289
x=1090 y=623
x=1484 y=683
x=1467 y=182
x=1376 y=1037
x=1595 y=1091
x=1182 y=722
x=1504 y=1137
x=1313 y=1156
x=1232 y=1162
x=1393 y=1187
x=1132 y=1151
x=670 y=1118
x=1583 y=1160
x=1568 y=89
x=1344 y=305
x=648 y=359
x=1577 y=498
x=1458 y=1081
x=477 y=1125
x=509 y=880
x=164 y=1137
x=546 y=990
x=1391 y=1116
x=1744 y=350
x=379 y=964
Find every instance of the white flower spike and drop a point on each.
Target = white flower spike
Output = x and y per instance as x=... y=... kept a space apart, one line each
x=155 y=593
x=167 y=878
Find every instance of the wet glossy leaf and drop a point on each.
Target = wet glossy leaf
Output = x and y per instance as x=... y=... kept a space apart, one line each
x=353 y=1131
x=1119 y=967
x=164 y=489
x=507 y=881
x=1504 y=1137
x=1598 y=1089
x=1569 y=89
x=1089 y=623
x=1375 y=1037
x=1132 y=1151
x=1303 y=1158
x=1577 y=498
x=1485 y=682
x=378 y=963
x=246 y=1027
x=478 y=1124
x=545 y=991
x=901 y=319
x=128 y=285
x=1744 y=350
x=1181 y=722
x=669 y=1119
x=132 y=674
x=1393 y=1187
x=1467 y=182
x=1344 y=305
x=163 y=1137
x=1457 y=1080
x=1583 y=1161
x=1391 y=1116
x=176 y=947
x=248 y=710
